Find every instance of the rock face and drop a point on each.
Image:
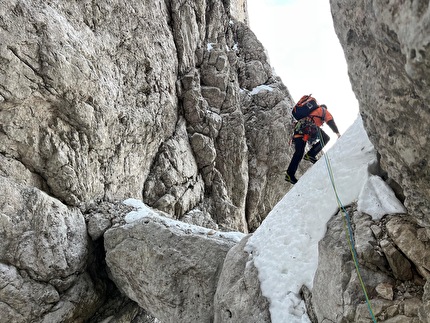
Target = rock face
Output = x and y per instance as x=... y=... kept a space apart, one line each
x=238 y=296
x=392 y=261
x=394 y=275
x=43 y=256
x=185 y=273
x=182 y=289
x=112 y=110
x=77 y=105
x=103 y=101
x=387 y=50
x=174 y=103
x=167 y=267
x=388 y=54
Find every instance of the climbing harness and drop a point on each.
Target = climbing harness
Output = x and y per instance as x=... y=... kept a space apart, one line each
x=348 y=228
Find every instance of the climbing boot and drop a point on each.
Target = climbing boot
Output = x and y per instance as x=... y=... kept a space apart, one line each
x=312 y=159
x=290 y=179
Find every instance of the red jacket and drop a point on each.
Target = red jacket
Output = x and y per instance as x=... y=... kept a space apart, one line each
x=318 y=116
x=321 y=115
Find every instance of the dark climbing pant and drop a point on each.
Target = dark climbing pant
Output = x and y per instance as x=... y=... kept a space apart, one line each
x=300 y=145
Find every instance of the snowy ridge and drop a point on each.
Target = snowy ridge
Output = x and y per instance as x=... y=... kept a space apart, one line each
x=285 y=246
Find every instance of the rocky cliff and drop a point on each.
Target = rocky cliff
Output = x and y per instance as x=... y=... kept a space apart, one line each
x=171 y=102
x=174 y=103
x=387 y=50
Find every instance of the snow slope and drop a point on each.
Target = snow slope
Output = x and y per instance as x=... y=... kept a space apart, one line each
x=285 y=246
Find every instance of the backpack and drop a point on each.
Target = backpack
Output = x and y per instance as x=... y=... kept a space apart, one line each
x=306 y=105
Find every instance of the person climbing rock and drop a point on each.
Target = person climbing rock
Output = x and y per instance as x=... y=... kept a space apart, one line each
x=307 y=130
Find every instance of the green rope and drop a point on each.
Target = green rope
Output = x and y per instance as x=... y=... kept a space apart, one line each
x=348 y=228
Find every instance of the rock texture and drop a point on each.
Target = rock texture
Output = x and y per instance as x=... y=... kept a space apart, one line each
x=387 y=48
x=110 y=109
x=238 y=296
x=167 y=267
x=174 y=103
x=43 y=256
x=392 y=261
x=105 y=100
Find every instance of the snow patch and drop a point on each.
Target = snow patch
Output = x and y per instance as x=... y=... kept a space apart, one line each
x=143 y=211
x=260 y=88
x=378 y=199
x=285 y=246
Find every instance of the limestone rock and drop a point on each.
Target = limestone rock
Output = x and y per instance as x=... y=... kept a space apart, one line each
x=333 y=273
x=365 y=243
x=39 y=234
x=101 y=92
x=166 y=267
x=404 y=234
x=97 y=225
x=386 y=46
x=238 y=296
x=100 y=102
x=395 y=293
x=385 y=291
x=44 y=253
x=87 y=108
x=424 y=310
x=174 y=185
x=399 y=264
x=239 y=10
x=23 y=297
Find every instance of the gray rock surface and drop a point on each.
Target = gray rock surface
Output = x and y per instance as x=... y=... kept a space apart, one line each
x=394 y=283
x=109 y=107
x=386 y=46
x=43 y=252
x=167 y=267
x=238 y=296
x=103 y=101
x=76 y=108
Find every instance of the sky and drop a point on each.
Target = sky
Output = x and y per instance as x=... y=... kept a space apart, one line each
x=305 y=52
x=284 y=248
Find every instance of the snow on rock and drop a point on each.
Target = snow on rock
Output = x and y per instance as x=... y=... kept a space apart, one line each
x=285 y=246
x=260 y=88
x=166 y=266
x=143 y=211
x=378 y=199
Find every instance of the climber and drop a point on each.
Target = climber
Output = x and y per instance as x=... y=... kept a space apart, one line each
x=307 y=130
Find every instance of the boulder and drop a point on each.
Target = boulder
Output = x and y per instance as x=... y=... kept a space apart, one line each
x=169 y=268
x=404 y=235
x=43 y=254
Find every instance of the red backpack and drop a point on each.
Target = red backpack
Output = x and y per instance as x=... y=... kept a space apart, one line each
x=306 y=105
